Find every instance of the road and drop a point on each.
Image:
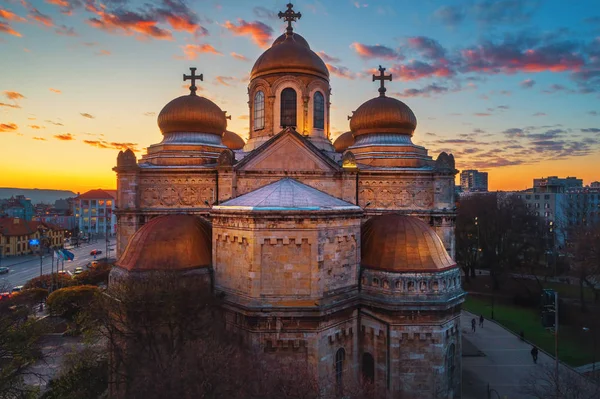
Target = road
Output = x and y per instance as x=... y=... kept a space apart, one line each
x=24 y=268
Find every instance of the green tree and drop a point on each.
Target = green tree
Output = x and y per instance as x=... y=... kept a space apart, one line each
x=69 y=302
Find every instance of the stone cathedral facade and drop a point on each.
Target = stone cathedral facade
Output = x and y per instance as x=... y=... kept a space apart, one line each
x=336 y=254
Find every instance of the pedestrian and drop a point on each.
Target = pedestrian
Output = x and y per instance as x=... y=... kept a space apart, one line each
x=534 y=354
x=473 y=324
x=481 y=320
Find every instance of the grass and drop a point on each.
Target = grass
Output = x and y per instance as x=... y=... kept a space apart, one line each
x=574 y=347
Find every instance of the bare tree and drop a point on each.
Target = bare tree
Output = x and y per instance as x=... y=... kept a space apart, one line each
x=544 y=383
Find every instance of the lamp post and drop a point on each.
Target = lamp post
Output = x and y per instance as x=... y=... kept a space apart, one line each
x=588 y=330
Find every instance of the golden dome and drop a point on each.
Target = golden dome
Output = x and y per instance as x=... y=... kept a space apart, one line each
x=233 y=141
x=398 y=243
x=169 y=243
x=343 y=141
x=290 y=55
x=383 y=115
x=192 y=113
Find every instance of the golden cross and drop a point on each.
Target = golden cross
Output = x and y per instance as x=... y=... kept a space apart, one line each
x=193 y=78
x=382 y=77
x=289 y=16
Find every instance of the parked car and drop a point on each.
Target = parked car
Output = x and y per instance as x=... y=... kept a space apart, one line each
x=18 y=288
x=5 y=295
x=95 y=252
x=78 y=270
x=4 y=270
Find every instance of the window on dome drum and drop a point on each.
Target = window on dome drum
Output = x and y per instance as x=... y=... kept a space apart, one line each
x=368 y=367
x=259 y=111
x=318 y=111
x=450 y=364
x=288 y=108
x=340 y=356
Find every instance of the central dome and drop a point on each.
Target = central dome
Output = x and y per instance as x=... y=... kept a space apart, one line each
x=289 y=54
x=383 y=115
x=192 y=113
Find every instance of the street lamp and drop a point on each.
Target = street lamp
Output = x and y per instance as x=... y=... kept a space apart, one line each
x=587 y=329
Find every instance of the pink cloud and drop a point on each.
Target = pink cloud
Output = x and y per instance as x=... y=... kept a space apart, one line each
x=375 y=51
x=192 y=51
x=239 y=57
x=259 y=32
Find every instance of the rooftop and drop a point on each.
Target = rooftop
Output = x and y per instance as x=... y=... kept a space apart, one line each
x=99 y=194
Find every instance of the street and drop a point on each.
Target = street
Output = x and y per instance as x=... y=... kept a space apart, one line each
x=24 y=268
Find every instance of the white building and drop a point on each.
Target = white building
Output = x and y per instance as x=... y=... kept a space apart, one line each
x=94 y=211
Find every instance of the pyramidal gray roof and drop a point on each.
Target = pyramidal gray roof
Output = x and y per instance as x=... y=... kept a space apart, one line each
x=285 y=195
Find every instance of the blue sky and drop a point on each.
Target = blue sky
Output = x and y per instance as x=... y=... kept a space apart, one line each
x=511 y=87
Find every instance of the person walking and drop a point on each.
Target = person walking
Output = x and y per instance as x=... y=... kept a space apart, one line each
x=534 y=354
x=481 y=320
x=473 y=324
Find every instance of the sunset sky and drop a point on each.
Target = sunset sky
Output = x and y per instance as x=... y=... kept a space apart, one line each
x=511 y=87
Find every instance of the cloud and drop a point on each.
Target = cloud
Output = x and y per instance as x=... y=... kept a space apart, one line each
x=450 y=16
x=539 y=114
x=340 y=71
x=527 y=83
x=259 y=32
x=244 y=117
x=591 y=130
x=427 y=47
x=8 y=127
x=150 y=113
x=514 y=131
x=6 y=28
x=426 y=91
x=239 y=56
x=593 y=113
x=86 y=115
x=415 y=70
x=10 y=105
x=264 y=13
x=192 y=51
x=54 y=123
x=103 y=53
x=66 y=6
x=224 y=80
x=64 y=137
x=65 y=31
x=36 y=127
x=36 y=15
x=13 y=95
x=554 y=88
x=375 y=51
x=360 y=5
x=39 y=138
x=496 y=12
x=482 y=114
x=112 y=145
x=55 y=90
x=10 y=16
x=327 y=58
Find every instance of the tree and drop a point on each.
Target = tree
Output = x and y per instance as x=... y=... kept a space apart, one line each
x=467 y=235
x=584 y=255
x=95 y=275
x=69 y=302
x=45 y=281
x=544 y=383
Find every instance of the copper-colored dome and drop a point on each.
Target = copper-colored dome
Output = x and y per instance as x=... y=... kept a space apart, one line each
x=383 y=115
x=192 y=113
x=233 y=141
x=299 y=39
x=398 y=243
x=343 y=141
x=291 y=55
x=169 y=243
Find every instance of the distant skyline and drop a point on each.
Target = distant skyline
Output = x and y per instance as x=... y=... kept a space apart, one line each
x=511 y=87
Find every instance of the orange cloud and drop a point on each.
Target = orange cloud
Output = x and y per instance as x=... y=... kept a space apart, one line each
x=36 y=127
x=192 y=51
x=259 y=32
x=224 y=80
x=103 y=52
x=239 y=57
x=10 y=16
x=86 y=115
x=66 y=31
x=8 y=127
x=37 y=16
x=65 y=137
x=129 y=23
x=13 y=95
x=55 y=91
x=112 y=145
x=40 y=138
x=6 y=28
x=10 y=105
x=340 y=71
x=374 y=51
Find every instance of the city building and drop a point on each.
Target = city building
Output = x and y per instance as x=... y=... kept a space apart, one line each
x=16 y=235
x=17 y=207
x=336 y=255
x=94 y=212
x=554 y=184
x=473 y=181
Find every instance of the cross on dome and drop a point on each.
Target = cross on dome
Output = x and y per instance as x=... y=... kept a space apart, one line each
x=289 y=16
x=193 y=78
x=382 y=77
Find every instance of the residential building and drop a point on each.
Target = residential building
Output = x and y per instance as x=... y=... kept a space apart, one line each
x=94 y=212
x=554 y=184
x=16 y=234
x=17 y=207
x=473 y=181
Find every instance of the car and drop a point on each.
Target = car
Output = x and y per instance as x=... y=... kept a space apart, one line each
x=95 y=252
x=78 y=270
x=4 y=270
x=18 y=288
x=5 y=295
x=92 y=264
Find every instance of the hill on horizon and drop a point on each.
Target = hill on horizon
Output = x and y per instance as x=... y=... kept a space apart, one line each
x=37 y=195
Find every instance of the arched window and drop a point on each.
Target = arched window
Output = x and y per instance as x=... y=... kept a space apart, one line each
x=259 y=110
x=318 y=111
x=288 y=107
x=450 y=365
x=340 y=356
x=368 y=367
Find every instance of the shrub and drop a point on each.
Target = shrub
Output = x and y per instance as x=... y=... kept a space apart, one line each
x=31 y=296
x=68 y=302
x=45 y=281
x=95 y=275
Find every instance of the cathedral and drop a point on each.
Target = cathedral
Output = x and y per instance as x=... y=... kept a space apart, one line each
x=337 y=254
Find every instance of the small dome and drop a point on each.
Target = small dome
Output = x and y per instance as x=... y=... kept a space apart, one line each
x=398 y=243
x=383 y=115
x=169 y=243
x=289 y=55
x=192 y=113
x=233 y=141
x=299 y=39
x=343 y=141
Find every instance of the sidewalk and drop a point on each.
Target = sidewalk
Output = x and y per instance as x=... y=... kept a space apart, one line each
x=505 y=362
